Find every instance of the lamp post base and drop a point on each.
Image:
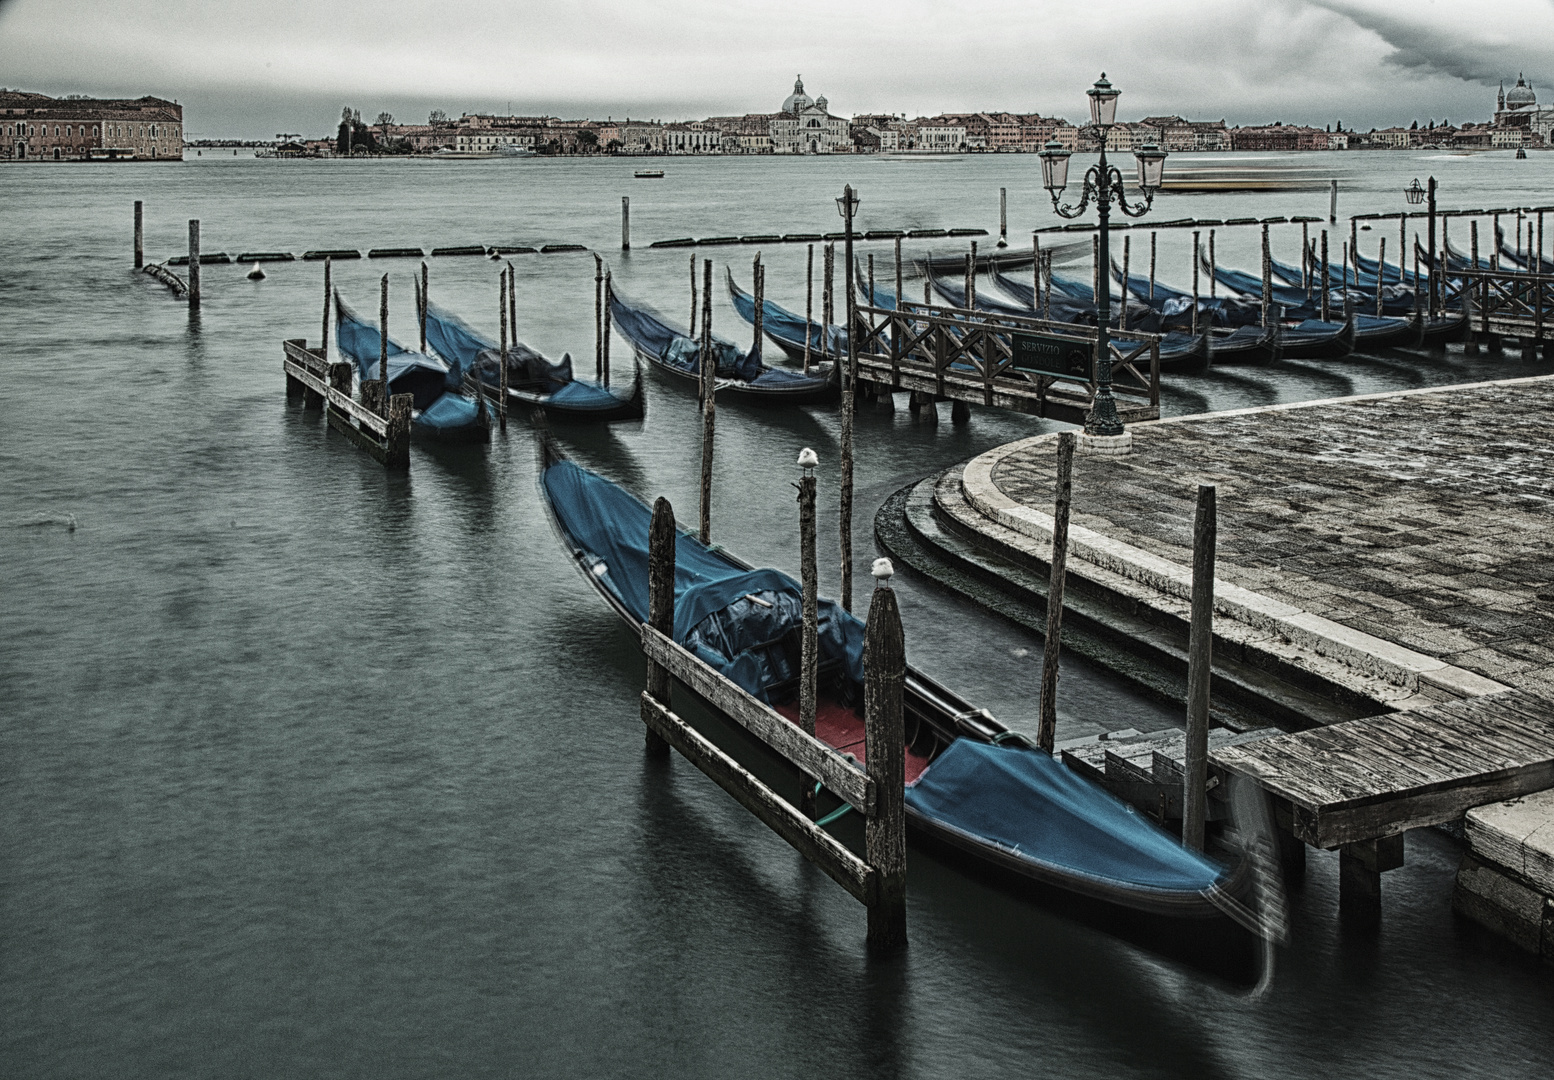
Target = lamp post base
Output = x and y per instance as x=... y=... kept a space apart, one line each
x=1106 y=445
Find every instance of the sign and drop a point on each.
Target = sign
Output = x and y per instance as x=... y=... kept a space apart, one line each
x=1045 y=355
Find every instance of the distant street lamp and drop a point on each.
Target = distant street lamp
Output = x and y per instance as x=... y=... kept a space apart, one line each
x=1103 y=183
x=1415 y=195
x=847 y=206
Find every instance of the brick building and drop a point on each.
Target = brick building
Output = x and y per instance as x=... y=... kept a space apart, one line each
x=1278 y=137
x=36 y=127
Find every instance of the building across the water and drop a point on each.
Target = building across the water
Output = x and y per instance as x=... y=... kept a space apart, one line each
x=1519 y=121
x=805 y=125
x=36 y=127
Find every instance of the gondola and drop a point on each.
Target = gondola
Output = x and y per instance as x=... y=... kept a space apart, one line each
x=978 y=794
x=439 y=411
x=533 y=380
x=787 y=330
x=1300 y=336
x=1232 y=326
x=1181 y=353
x=740 y=376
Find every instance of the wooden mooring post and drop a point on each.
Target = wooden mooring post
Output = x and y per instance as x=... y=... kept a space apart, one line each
x=1046 y=731
x=1267 y=278
x=707 y=369
x=757 y=282
x=1003 y=218
x=1381 y=273
x=849 y=389
x=809 y=639
x=1200 y=646
x=809 y=304
x=1151 y=269
x=604 y=357
x=1127 y=245
x=1326 y=284
x=194 y=264
x=1213 y=289
x=693 y=295
x=425 y=297
x=1195 y=266
x=140 y=235
x=599 y=311
x=878 y=880
x=328 y=298
x=504 y=291
x=625 y=223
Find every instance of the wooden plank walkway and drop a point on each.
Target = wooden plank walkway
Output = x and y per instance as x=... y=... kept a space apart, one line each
x=1359 y=785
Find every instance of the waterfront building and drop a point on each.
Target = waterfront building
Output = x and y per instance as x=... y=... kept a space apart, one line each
x=1278 y=137
x=806 y=126
x=37 y=127
x=1037 y=130
x=747 y=134
x=1517 y=110
x=940 y=135
x=489 y=139
x=693 y=138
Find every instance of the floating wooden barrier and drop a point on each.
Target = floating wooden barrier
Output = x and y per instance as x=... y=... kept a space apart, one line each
x=179 y=286
x=966 y=232
x=802 y=237
x=265 y=256
x=925 y=234
x=386 y=437
x=767 y=239
x=466 y=249
x=883 y=234
x=876 y=792
x=714 y=241
x=518 y=249
x=553 y=249
x=683 y=241
x=205 y=259
x=396 y=253
x=320 y=254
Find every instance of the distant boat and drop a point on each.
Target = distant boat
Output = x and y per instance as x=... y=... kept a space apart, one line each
x=446 y=154
x=649 y=174
x=509 y=150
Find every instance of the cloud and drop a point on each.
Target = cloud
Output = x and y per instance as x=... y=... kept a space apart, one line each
x=1460 y=42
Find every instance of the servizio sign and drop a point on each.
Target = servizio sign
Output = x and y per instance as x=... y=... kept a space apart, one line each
x=1046 y=355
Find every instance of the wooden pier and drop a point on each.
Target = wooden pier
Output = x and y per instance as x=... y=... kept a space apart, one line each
x=385 y=433
x=1030 y=365
x=1503 y=304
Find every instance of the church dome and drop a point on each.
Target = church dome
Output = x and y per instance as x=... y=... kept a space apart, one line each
x=820 y=103
x=1520 y=96
x=798 y=99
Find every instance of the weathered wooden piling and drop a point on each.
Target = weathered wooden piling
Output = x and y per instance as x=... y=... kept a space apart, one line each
x=849 y=389
x=827 y=299
x=1267 y=278
x=604 y=359
x=383 y=336
x=1326 y=284
x=884 y=679
x=140 y=235
x=194 y=263
x=599 y=311
x=1200 y=646
x=694 y=305
x=625 y=223
x=1213 y=289
x=661 y=560
x=809 y=303
x=1195 y=266
x=871 y=280
x=1381 y=273
x=1046 y=296
x=1035 y=272
x=899 y=296
x=1126 y=294
x=1354 y=249
x=971 y=279
x=1305 y=258
x=1003 y=217
x=809 y=640
x=504 y=298
x=1151 y=268
x=1403 y=245
x=708 y=371
x=968 y=278
x=758 y=282
x=426 y=298
x=328 y=296
x=1332 y=206
x=1538 y=262
x=1046 y=731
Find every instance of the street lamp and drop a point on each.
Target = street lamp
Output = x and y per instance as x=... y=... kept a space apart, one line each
x=847 y=207
x=1103 y=183
x=1415 y=195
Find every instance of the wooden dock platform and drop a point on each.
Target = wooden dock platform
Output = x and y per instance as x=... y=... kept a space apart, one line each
x=1359 y=785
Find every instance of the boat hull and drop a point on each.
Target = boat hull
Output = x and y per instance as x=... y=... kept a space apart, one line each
x=773 y=397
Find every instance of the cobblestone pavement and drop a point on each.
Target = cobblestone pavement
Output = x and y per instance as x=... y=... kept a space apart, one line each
x=1425 y=519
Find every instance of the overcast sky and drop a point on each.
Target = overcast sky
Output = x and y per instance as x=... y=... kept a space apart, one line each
x=249 y=68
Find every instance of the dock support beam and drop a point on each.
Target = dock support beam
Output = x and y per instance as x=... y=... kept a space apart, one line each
x=1360 y=866
x=1199 y=665
x=884 y=676
x=1046 y=731
x=661 y=543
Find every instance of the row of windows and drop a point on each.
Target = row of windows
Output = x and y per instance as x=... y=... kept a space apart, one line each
x=117 y=131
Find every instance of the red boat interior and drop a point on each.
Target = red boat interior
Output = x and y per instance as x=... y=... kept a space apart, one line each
x=840 y=727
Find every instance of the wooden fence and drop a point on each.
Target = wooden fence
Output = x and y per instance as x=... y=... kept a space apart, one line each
x=1030 y=365
x=382 y=432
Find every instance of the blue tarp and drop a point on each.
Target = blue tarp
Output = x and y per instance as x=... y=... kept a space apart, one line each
x=464 y=348
x=423 y=377
x=449 y=412
x=650 y=332
x=785 y=326
x=712 y=618
x=1029 y=802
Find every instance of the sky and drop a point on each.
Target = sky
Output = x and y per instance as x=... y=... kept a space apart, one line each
x=254 y=68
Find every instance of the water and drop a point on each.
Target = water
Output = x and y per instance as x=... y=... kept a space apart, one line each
x=312 y=769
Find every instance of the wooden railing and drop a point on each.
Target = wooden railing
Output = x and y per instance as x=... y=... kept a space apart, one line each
x=1503 y=302
x=1029 y=365
x=385 y=435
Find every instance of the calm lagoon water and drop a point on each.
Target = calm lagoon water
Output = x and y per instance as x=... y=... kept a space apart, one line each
x=309 y=769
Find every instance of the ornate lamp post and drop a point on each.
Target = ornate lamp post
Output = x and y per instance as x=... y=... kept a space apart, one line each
x=1103 y=183
x=1415 y=195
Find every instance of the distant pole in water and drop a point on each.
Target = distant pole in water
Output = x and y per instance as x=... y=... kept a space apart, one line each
x=966 y=278
x=661 y=545
x=625 y=223
x=1200 y=648
x=1195 y=265
x=383 y=396
x=1473 y=248
x=757 y=280
x=1345 y=251
x=1046 y=731
x=1212 y=266
x=971 y=278
x=828 y=269
x=426 y=299
x=599 y=311
x=1494 y=252
x=1003 y=217
x=884 y=733
x=194 y=263
x=327 y=295
x=1332 y=206
x=708 y=372
x=1151 y=268
x=604 y=367
x=809 y=303
x=140 y=235
x=1518 y=234
x=693 y=295
x=512 y=301
x=1326 y=282
x=1126 y=246
x=928 y=289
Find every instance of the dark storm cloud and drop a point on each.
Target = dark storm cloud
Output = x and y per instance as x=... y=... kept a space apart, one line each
x=1479 y=44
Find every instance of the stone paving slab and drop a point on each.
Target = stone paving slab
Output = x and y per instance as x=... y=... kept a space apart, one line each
x=1421 y=518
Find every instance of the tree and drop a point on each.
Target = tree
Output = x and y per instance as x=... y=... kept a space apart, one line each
x=384 y=121
x=588 y=140
x=1414 y=126
x=437 y=117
